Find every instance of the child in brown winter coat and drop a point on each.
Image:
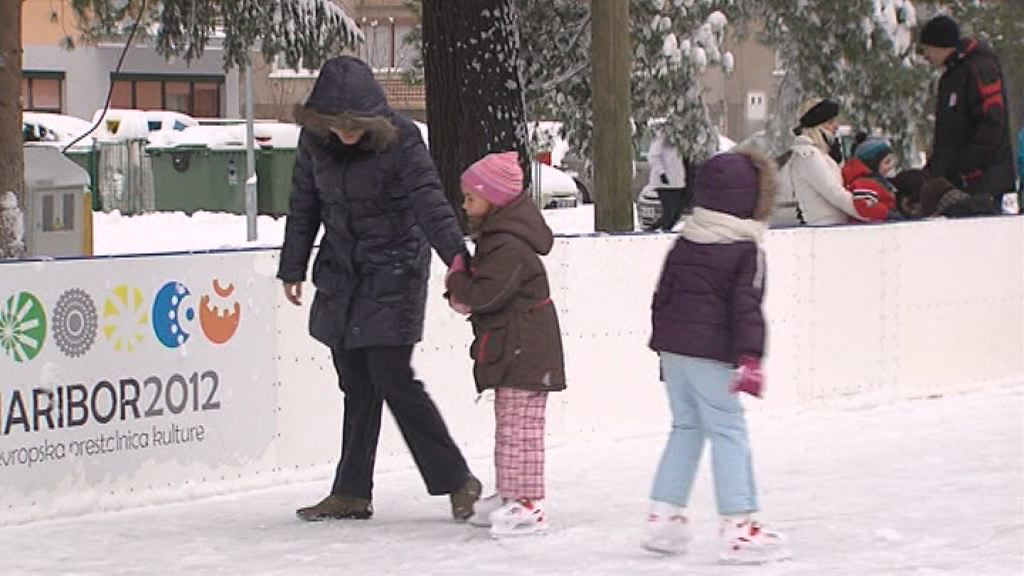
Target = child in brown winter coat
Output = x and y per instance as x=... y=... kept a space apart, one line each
x=517 y=349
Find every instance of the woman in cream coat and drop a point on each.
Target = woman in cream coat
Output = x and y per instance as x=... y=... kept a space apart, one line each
x=811 y=174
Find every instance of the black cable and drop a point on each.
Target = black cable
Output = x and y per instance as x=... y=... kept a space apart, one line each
x=117 y=70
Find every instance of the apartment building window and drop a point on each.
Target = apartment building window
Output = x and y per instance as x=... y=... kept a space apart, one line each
x=198 y=96
x=42 y=91
x=385 y=47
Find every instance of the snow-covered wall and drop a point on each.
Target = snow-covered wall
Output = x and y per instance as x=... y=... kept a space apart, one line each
x=857 y=315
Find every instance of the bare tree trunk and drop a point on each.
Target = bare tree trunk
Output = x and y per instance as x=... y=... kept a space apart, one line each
x=12 y=167
x=613 y=175
x=474 y=86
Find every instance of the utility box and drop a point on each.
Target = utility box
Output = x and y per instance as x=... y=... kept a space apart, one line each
x=58 y=219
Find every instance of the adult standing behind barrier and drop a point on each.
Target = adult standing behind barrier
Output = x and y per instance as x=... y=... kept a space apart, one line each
x=971 y=148
x=364 y=174
x=811 y=174
x=668 y=177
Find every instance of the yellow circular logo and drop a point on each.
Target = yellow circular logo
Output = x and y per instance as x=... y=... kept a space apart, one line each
x=125 y=318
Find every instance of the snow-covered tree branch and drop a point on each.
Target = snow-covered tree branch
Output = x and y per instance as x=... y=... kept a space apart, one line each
x=859 y=53
x=304 y=32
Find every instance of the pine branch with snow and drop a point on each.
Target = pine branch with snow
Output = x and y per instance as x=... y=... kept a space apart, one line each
x=859 y=53
x=304 y=32
x=673 y=42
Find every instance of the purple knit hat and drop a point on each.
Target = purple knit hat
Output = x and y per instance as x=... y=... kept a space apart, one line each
x=497 y=178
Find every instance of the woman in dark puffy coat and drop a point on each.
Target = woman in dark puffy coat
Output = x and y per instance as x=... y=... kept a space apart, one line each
x=707 y=321
x=363 y=173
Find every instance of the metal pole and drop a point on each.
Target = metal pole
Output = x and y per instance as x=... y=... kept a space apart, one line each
x=250 y=160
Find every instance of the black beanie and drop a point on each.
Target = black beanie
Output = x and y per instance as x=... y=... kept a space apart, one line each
x=819 y=114
x=940 y=32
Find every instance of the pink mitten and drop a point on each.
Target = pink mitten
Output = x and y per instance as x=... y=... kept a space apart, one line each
x=458 y=306
x=458 y=265
x=749 y=377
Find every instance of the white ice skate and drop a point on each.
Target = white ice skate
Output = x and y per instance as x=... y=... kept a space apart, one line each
x=745 y=541
x=668 y=530
x=518 y=518
x=483 y=510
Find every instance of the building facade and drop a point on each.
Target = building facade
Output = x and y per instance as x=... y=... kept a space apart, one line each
x=76 y=81
x=385 y=24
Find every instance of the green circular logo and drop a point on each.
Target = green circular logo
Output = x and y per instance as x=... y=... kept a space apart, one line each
x=22 y=326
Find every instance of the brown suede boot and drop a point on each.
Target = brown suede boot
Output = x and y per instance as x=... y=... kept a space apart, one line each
x=337 y=507
x=465 y=498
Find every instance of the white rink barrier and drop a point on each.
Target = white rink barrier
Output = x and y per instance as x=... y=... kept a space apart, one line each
x=135 y=380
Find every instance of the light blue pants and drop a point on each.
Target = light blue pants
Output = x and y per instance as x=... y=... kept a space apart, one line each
x=704 y=407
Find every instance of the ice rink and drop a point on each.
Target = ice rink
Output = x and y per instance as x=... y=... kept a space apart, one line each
x=923 y=487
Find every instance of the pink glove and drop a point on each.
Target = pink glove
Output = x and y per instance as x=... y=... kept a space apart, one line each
x=458 y=265
x=749 y=377
x=458 y=306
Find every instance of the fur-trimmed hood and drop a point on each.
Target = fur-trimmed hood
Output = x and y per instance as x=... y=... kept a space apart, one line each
x=346 y=96
x=741 y=183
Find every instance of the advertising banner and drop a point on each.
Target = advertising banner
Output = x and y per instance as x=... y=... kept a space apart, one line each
x=114 y=369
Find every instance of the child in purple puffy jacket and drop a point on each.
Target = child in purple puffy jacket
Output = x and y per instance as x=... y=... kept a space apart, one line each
x=709 y=333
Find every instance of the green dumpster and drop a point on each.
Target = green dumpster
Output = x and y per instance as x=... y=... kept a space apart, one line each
x=274 y=171
x=196 y=177
x=88 y=158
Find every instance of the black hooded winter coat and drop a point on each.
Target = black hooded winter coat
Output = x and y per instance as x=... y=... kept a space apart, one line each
x=972 y=146
x=381 y=206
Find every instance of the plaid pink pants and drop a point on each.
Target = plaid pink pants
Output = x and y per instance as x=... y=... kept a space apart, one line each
x=519 y=443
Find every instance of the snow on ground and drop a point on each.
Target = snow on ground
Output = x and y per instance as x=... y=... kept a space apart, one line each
x=178 y=232
x=925 y=487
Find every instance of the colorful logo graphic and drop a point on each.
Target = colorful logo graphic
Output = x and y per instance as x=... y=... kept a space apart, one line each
x=74 y=323
x=125 y=318
x=22 y=326
x=168 y=321
x=219 y=318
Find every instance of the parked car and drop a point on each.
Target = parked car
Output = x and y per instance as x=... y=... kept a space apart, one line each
x=648 y=205
x=155 y=126
x=557 y=189
x=54 y=129
x=574 y=164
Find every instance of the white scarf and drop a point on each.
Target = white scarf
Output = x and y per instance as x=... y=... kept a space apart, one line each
x=711 y=227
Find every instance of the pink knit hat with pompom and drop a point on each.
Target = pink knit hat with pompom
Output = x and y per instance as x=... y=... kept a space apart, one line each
x=496 y=178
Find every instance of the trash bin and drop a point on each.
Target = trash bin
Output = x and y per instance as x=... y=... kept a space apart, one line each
x=88 y=158
x=58 y=205
x=274 y=169
x=190 y=178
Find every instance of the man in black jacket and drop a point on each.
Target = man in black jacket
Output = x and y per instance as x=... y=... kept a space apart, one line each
x=363 y=173
x=971 y=145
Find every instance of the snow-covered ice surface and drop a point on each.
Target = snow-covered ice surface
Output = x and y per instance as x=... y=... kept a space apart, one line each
x=925 y=487
x=160 y=232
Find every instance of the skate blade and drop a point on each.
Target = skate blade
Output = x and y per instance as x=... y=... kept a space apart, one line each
x=754 y=560
x=538 y=530
x=479 y=522
x=663 y=549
